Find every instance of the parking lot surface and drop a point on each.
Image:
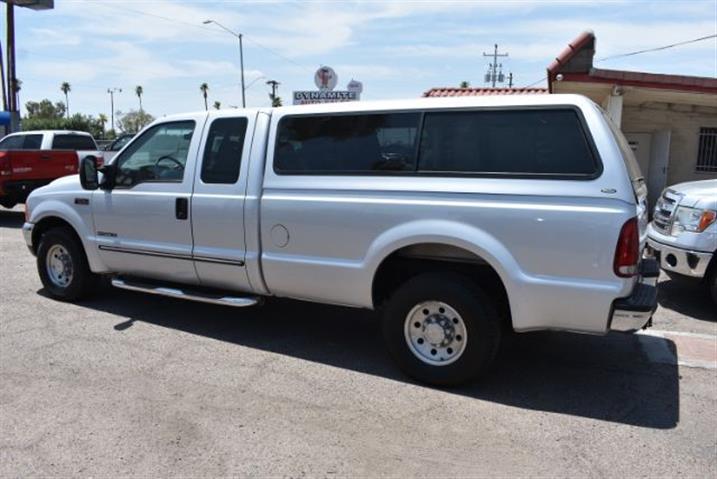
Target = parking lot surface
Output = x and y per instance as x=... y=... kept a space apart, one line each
x=138 y=385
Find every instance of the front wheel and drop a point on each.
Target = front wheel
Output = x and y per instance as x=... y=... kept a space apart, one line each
x=62 y=265
x=441 y=329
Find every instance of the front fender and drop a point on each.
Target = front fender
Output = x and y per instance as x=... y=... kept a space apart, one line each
x=81 y=222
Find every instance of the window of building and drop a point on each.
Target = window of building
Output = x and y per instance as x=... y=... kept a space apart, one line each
x=525 y=142
x=223 y=151
x=345 y=144
x=707 y=152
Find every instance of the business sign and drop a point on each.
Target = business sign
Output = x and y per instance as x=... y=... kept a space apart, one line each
x=326 y=79
x=324 y=96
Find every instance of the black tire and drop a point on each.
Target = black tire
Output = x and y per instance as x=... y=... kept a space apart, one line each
x=83 y=282
x=712 y=284
x=480 y=319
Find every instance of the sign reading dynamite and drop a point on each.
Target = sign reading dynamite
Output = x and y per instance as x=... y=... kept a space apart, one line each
x=325 y=79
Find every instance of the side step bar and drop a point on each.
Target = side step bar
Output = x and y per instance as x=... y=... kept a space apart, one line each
x=235 y=301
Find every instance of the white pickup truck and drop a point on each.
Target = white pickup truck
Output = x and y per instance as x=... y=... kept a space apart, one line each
x=460 y=219
x=683 y=232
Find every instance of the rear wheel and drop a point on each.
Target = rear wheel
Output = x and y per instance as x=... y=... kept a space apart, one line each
x=441 y=329
x=62 y=265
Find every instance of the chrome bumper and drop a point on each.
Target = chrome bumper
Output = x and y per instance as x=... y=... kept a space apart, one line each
x=27 y=234
x=678 y=260
x=635 y=312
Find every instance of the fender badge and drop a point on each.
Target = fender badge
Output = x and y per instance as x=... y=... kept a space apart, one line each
x=609 y=191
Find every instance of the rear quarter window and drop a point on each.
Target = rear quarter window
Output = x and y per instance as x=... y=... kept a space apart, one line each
x=73 y=142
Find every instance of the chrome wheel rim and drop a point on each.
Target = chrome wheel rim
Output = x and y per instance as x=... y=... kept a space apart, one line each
x=435 y=333
x=58 y=263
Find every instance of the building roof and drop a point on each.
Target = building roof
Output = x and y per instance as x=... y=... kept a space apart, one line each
x=457 y=91
x=575 y=63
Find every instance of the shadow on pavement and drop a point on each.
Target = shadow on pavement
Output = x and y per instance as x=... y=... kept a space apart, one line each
x=11 y=218
x=687 y=296
x=607 y=378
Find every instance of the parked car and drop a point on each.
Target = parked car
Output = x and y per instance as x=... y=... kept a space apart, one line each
x=32 y=159
x=504 y=213
x=116 y=145
x=683 y=232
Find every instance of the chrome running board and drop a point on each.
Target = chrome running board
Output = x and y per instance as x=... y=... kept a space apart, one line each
x=234 y=301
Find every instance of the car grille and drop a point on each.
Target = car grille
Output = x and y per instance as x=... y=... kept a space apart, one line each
x=664 y=211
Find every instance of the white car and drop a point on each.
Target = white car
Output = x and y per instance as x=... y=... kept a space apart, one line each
x=683 y=232
x=459 y=219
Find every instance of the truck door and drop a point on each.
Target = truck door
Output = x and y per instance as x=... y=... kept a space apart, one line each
x=218 y=201
x=143 y=225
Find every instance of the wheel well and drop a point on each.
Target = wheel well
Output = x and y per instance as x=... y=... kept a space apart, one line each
x=45 y=225
x=403 y=264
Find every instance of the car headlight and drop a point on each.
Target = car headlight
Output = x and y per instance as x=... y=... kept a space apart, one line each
x=694 y=220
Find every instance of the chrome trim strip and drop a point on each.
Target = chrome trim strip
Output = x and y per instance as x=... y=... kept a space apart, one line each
x=234 y=301
x=161 y=254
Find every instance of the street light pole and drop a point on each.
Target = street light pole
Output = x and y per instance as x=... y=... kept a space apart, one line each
x=112 y=91
x=241 y=56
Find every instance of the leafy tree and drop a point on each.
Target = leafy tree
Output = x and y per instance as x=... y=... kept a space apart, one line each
x=465 y=84
x=77 y=122
x=204 y=88
x=139 y=91
x=217 y=105
x=65 y=88
x=133 y=121
x=45 y=109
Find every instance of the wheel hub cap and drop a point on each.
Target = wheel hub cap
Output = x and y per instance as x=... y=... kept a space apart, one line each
x=435 y=333
x=59 y=266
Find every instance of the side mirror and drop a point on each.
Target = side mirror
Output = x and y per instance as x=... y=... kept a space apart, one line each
x=88 y=173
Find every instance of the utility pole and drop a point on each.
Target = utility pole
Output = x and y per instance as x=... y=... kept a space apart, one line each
x=241 y=56
x=510 y=80
x=274 y=85
x=493 y=74
x=112 y=91
x=11 y=80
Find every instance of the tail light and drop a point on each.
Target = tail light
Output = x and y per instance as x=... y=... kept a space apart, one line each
x=627 y=252
x=5 y=168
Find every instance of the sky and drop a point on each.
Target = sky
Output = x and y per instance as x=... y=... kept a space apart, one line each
x=397 y=49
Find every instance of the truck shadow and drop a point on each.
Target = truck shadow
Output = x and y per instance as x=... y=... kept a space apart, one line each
x=11 y=218
x=688 y=297
x=607 y=378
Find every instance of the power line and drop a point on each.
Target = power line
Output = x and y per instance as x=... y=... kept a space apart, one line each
x=630 y=54
x=208 y=29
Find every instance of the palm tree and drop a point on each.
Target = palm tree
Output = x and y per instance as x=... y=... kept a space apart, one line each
x=65 y=88
x=217 y=105
x=276 y=101
x=204 y=89
x=139 y=91
x=102 y=118
x=465 y=84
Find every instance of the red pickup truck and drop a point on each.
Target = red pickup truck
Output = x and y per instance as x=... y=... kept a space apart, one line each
x=32 y=159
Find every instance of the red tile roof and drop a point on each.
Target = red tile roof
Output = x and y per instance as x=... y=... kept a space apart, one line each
x=456 y=91
x=582 y=70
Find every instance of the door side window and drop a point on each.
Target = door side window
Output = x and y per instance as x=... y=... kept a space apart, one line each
x=159 y=155
x=223 y=151
x=21 y=142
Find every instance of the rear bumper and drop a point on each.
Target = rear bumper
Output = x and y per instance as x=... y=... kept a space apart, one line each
x=681 y=261
x=635 y=312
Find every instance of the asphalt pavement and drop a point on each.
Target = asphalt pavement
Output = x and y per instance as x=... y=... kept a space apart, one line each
x=127 y=384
